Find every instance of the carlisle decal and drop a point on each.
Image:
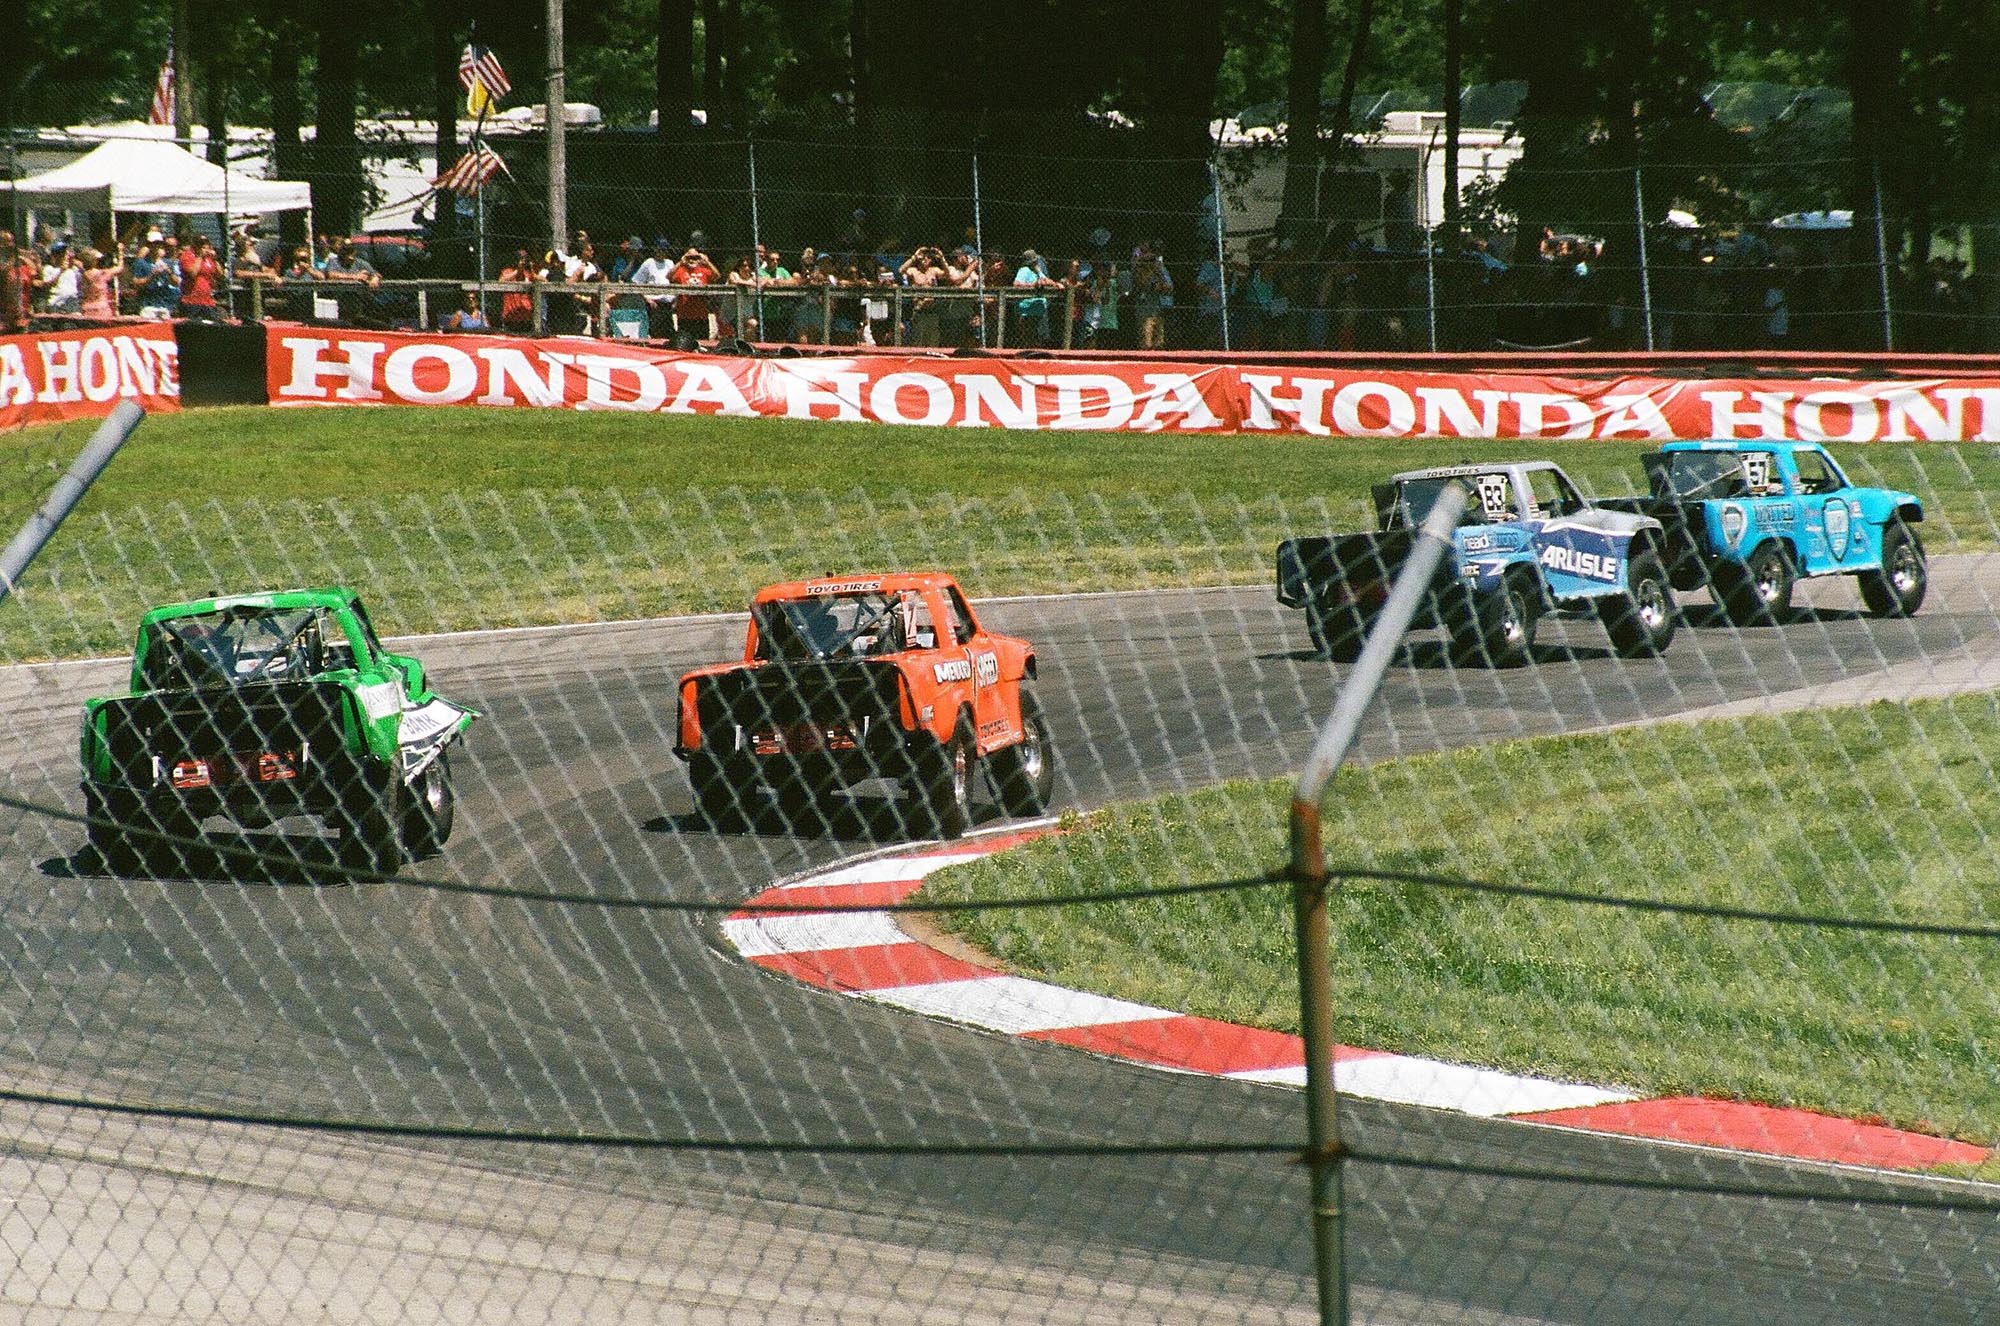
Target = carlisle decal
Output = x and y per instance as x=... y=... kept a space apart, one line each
x=1588 y=565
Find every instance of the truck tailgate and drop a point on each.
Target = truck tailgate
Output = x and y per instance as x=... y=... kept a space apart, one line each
x=1355 y=567
x=224 y=721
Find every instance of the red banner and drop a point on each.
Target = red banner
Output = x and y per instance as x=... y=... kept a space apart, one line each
x=311 y=366
x=80 y=375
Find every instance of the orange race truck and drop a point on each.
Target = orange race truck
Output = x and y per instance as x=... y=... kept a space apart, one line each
x=848 y=679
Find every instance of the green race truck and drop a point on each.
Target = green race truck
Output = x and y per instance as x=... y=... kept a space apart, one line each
x=257 y=707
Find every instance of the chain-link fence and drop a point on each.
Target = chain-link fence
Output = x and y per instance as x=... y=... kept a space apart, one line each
x=486 y=935
x=1096 y=244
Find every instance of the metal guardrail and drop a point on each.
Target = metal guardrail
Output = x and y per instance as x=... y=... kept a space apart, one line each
x=806 y=313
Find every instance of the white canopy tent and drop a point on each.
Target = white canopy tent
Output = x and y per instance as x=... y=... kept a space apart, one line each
x=145 y=176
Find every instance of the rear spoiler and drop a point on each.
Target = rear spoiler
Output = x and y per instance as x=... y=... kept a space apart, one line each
x=1388 y=511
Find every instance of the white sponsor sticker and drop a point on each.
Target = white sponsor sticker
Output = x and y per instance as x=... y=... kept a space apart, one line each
x=957 y=670
x=381 y=699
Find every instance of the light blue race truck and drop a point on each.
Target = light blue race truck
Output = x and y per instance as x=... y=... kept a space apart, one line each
x=1527 y=544
x=1751 y=519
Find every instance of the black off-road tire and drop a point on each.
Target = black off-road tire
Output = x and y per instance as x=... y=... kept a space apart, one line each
x=1501 y=629
x=429 y=806
x=1898 y=589
x=371 y=838
x=1024 y=774
x=940 y=791
x=1759 y=592
x=725 y=791
x=1339 y=630
x=1641 y=622
x=115 y=849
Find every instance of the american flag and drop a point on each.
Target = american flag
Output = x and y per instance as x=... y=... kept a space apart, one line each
x=163 y=92
x=484 y=81
x=470 y=171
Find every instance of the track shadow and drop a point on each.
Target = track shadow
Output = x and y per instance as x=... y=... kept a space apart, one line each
x=276 y=859
x=1435 y=655
x=1709 y=617
x=872 y=818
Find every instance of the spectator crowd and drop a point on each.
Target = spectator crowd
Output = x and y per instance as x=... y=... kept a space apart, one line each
x=1731 y=290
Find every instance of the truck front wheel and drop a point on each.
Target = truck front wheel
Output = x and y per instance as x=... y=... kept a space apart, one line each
x=1897 y=590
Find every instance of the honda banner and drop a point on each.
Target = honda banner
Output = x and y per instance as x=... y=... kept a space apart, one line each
x=51 y=376
x=311 y=366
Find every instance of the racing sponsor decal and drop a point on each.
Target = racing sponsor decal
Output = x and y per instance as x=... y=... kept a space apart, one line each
x=997 y=727
x=1838 y=528
x=1734 y=522
x=331 y=366
x=1575 y=561
x=845 y=587
x=380 y=700
x=1478 y=543
x=1776 y=516
x=988 y=664
x=424 y=731
x=958 y=669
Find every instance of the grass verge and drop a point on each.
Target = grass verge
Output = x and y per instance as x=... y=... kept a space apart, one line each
x=1882 y=812
x=453 y=518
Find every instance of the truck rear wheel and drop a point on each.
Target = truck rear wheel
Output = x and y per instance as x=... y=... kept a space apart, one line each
x=1641 y=622
x=1897 y=590
x=1759 y=592
x=428 y=809
x=1025 y=773
x=106 y=835
x=371 y=840
x=941 y=787
x=720 y=788
x=1501 y=631
x=1338 y=630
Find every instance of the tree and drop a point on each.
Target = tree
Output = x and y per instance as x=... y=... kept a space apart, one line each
x=673 y=78
x=1302 y=123
x=337 y=183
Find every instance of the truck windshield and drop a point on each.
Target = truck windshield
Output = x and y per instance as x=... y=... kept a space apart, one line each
x=1700 y=474
x=1420 y=495
x=232 y=646
x=827 y=626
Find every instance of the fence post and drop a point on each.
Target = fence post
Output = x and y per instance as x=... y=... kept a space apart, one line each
x=541 y=308
x=1309 y=895
x=896 y=316
x=1882 y=260
x=1069 y=316
x=1645 y=272
x=979 y=244
x=1221 y=257
x=1429 y=228
x=826 y=315
x=756 y=238
x=423 y=303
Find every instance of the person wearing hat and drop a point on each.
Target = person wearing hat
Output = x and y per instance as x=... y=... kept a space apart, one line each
x=160 y=291
x=630 y=254
x=1033 y=311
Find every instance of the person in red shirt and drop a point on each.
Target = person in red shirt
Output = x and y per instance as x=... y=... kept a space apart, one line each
x=200 y=275
x=695 y=313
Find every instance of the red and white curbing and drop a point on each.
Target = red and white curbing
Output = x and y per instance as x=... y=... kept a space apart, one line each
x=866 y=955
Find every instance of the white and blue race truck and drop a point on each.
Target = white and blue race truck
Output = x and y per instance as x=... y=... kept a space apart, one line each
x=1527 y=544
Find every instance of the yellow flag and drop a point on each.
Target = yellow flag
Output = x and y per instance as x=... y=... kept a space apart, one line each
x=478 y=101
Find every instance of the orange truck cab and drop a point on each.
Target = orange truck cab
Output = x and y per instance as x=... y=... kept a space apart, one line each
x=845 y=679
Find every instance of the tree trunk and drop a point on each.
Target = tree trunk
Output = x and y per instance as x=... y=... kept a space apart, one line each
x=1875 y=42
x=336 y=155
x=673 y=68
x=287 y=154
x=1357 y=52
x=1454 y=94
x=711 y=60
x=1298 y=218
x=444 y=244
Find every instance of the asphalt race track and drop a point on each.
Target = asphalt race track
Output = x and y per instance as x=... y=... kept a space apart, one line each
x=394 y=1004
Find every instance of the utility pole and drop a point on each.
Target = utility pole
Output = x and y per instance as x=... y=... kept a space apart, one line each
x=558 y=157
